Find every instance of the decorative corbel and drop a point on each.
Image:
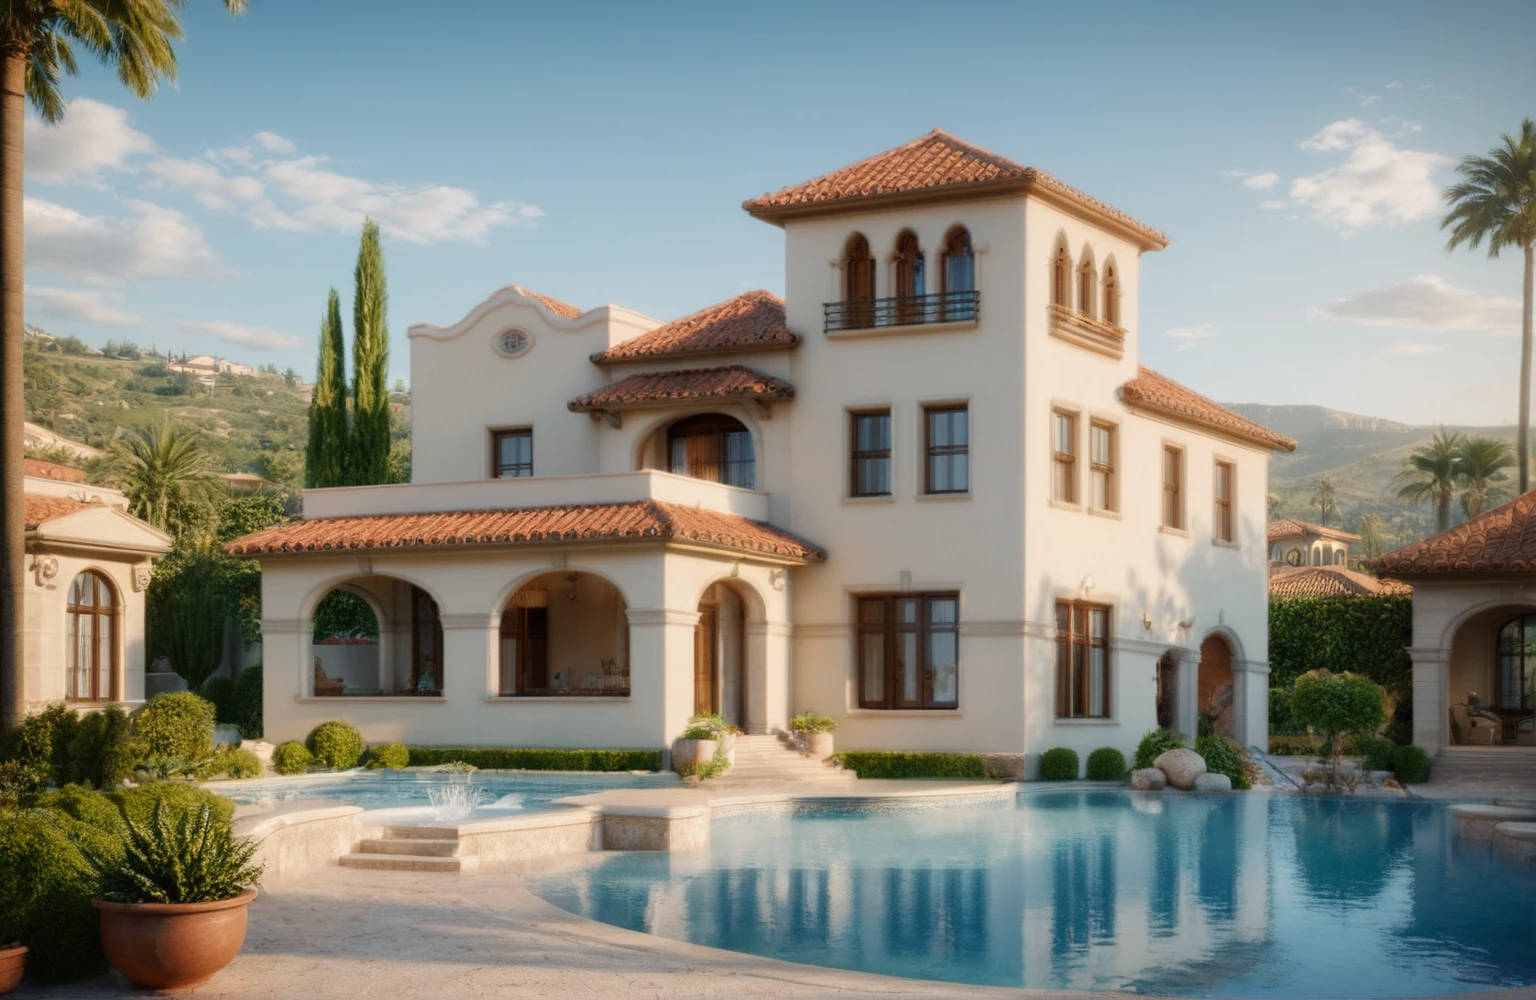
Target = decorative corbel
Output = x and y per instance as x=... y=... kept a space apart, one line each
x=45 y=568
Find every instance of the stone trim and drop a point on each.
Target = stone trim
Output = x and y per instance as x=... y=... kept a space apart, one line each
x=1086 y=332
x=661 y=616
x=284 y=626
x=468 y=621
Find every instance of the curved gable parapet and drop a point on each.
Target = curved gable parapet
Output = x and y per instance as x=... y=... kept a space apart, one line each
x=557 y=315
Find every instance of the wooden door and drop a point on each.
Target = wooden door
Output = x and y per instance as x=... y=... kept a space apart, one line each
x=1167 y=693
x=706 y=660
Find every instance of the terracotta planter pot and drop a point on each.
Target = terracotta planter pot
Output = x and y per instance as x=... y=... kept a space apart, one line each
x=818 y=746
x=169 y=945
x=13 y=962
x=691 y=753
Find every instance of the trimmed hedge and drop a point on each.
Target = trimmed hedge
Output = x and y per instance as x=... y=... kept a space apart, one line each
x=1410 y=764
x=291 y=757
x=520 y=759
x=387 y=755
x=904 y=764
x=1059 y=764
x=176 y=726
x=1368 y=635
x=1295 y=746
x=1155 y=744
x=245 y=703
x=336 y=745
x=1106 y=764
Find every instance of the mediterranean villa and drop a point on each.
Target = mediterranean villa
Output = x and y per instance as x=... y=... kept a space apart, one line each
x=931 y=493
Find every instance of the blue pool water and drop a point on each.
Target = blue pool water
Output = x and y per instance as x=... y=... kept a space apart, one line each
x=1247 y=895
x=499 y=793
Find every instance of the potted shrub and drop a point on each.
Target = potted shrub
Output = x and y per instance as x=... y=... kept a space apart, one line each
x=699 y=743
x=13 y=962
x=816 y=732
x=173 y=904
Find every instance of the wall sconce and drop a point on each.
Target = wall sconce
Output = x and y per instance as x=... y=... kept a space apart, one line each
x=1146 y=623
x=570 y=586
x=1088 y=583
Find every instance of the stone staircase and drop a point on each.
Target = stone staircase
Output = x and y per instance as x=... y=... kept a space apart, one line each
x=1503 y=766
x=411 y=849
x=763 y=761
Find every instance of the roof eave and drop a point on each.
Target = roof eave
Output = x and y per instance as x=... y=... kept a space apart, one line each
x=602 y=358
x=1179 y=417
x=577 y=406
x=438 y=548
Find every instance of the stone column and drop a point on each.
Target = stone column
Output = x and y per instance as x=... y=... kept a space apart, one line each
x=768 y=676
x=661 y=669
x=1250 y=703
x=469 y=656
x=287 y=672
x=1431 y=702
x=1187 y=709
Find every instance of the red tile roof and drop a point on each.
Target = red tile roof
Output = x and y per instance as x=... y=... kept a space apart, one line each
x=1290 y=527
x=933 y=167
x=38 y=509
x=750 y=322
x=1332 y=581
x=555 y=306
x=640 y=521
x=51 y=470
x=730 y=382
x=1160 y=394
x=1502 y=540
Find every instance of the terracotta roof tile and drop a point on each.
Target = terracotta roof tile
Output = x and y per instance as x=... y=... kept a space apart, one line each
x=555 y=306
x=1291 y=527
x=639 y=521
x=1152 y=391
x=730 y=382
x=1332 y=581
x=750 y=322
x=51 y=470
x=39 y=509
x=1502 y=540
x=935 y=165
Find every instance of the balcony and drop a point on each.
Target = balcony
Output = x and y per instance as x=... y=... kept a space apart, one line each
x=903 y=311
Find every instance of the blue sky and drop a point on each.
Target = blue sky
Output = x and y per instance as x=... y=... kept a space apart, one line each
x=599 y=153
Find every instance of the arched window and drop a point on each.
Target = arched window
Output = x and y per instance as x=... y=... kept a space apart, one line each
x=713 y=447
x=91 y=656
x=959 y=261
x=859 y=281
x=1274 y=554
x=1061 y=281
x=1516 y=664
x=426 y=644
x=910 y=279
x=1086 y=284
x=1111 y=295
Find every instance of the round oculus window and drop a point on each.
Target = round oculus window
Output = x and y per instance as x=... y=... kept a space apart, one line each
x=512 y=343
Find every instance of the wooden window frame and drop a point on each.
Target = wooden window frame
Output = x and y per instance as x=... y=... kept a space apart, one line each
x=957 y=244
x=1065 y=461
x=530 y=627
x=497 y=469
x=1078 y=634
x=932 y=451
x=424 y=614
x=1086 y=280
x=1224 y=514
x=855 y=455
x=888 y=628
x=1111 y=313
x=99 y=613
x=713 y=427
x=1500 y=701
x=1106 y=469
x=1061 y=278
x=1173 y=492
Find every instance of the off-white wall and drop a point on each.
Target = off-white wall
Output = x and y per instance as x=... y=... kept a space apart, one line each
x=45 y=629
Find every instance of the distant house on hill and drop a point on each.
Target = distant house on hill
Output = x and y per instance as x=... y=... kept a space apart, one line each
x=207 y=364
x=1301 y=543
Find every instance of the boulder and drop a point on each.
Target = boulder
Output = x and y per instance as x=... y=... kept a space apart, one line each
x=1182 y=766
x=1148 y=779
x=1211 y=782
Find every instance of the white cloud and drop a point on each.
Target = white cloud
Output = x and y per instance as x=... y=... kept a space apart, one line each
x=217 y=189
x=1378 y=183
x=274 y=143
x=1394 y=85
x=1191 y=336
x=255 y=338
x=77 y=305
x=1262 y=182
x=93 y=137
x=153 y=242
x=1411 y=349
x=1273 y=206
x=1425 y=302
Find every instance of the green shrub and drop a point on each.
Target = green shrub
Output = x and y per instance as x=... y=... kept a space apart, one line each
x=391 y=755
x=245 y=703
x=176 y=856
x=43 y=741
x=811 y=722
x=1336 y=706
x=1280 y=723
x=1059 y=764
x=177 y=730
x=904 y=764
x=1155 y=744
x=234 y=762
x=219 y=690
x=20 y=780
x=518 y=759
x=1295 y=746
x=336 y=745
x=1106 y=764
x=1371 y=634
x=1374 y=754
x=102 y=753
x=45 y=896
x=1411 y=764
x=712 y=768
x=291 y=758
x=139 y=803
x=705 y=727
x=1223 y=756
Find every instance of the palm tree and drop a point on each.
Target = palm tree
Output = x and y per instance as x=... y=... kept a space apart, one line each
x=1324 y=496
x=1496 y=201
x=37 y=47
x=168 y=480
x=1483 y=461
x=1431 y=474
x=1373 y=536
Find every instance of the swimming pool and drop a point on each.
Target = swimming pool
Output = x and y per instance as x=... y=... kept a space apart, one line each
x=1248 y=895
x=406 y=794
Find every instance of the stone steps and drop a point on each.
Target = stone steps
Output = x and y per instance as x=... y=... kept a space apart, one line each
x=766 y=760
x=411 y=849
x=435 y=848
x=407 y=862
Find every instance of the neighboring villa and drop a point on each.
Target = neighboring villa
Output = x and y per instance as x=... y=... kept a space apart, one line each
x=87 y=568
x=931 y=493
x=209 y=367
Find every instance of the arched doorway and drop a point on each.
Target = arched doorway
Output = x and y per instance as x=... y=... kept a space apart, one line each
x=1215 y=685
x=376 y=635
x=719 y=656
x=1168 y=691
x=565 y=634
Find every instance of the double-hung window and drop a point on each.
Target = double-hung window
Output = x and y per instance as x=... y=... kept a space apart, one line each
x=1082 y=660
x=512 y=453
x=1063 y=457
x=947 y=447
x=1173 y=487
x=909 y=651
x=1225 y=530
x=870 y=475
x=1101 y=466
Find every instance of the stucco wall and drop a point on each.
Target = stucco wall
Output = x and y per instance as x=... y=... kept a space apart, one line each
x=45 y=626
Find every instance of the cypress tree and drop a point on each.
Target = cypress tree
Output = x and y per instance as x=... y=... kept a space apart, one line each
x=370 y=360
x=326 y=456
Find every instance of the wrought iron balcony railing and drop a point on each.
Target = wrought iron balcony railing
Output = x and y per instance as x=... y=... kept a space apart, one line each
x=905 y=310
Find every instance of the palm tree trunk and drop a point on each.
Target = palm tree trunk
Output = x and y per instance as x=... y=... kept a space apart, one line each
x=1443 y=511
x=12 y=409
x=1525 y=370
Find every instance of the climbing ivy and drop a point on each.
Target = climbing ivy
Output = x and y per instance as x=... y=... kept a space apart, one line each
x=1363 y=635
